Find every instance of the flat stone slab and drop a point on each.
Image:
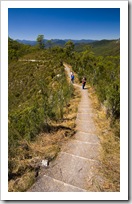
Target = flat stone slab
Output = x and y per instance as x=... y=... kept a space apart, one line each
x=49 y=184
x=84 y=149
x=86 y=121
x=86 y=127
x=86 y=137
x=83 y=110
x=84 y=116
x=73 y=170
x=84 y=107
x=85 y=102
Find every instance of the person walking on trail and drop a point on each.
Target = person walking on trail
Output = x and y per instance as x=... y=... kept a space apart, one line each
x=72 y=77
x=83 y=82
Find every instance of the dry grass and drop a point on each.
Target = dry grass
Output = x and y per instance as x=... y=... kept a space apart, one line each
x=46 y=146
x=110 y=151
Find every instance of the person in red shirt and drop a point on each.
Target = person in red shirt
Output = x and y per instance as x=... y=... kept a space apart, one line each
x=83 y=82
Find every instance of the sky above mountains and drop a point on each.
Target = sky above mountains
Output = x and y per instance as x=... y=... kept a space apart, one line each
x=64 y=23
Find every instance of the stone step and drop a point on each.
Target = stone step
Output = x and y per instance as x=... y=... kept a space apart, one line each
x=85 y=126
x=88 y=122
x=83 y=110
x=84 y=149
x=84 y=107
x=86 y=137
x=53 y=185
x=85 y=100
x=73 y=170
x=84 y=116
x=85 y=103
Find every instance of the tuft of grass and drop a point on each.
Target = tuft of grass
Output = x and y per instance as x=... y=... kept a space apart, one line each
x=23 y=183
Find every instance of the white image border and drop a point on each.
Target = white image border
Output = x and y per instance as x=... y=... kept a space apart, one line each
x=123 y=194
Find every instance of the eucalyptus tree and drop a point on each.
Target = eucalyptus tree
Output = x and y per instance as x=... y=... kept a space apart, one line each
x=40 y=41
x=49 y=44
x=69 y=48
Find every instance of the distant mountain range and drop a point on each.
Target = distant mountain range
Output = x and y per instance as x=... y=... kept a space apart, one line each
x=55 y=42
x=99 y=47
x=26 y=42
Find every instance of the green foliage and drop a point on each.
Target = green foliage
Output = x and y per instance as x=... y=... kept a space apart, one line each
x=16 y=50
x=101 y=48
x=103 y=73
x=106 y=47
x=38 y=93
x=69 y=48
x=40 y=40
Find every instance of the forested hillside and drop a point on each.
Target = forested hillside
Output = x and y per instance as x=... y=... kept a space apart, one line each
x=39 y=92
x=54 y=42
x=101 y=48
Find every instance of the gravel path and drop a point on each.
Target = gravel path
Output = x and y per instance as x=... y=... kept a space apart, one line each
x=76 y=167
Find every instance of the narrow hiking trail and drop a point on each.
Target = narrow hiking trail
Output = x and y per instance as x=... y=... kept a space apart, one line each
x=76 y=167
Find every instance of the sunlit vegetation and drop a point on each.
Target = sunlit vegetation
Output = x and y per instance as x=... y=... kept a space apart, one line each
x=38 y=94
x=101 y=48
x=43 y=102
x=110 y=142
x=103 y=74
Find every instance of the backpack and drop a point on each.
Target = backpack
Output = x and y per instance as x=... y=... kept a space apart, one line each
x=72 y=77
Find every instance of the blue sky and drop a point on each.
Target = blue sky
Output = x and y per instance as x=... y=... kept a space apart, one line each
x=64 y=23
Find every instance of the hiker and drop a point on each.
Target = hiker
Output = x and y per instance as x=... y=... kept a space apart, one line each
x=72 y=77
x=83 y=82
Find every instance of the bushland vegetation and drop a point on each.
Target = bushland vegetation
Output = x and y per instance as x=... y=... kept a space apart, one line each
x=39 y=96
x=40 y=100
x=103 y=74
